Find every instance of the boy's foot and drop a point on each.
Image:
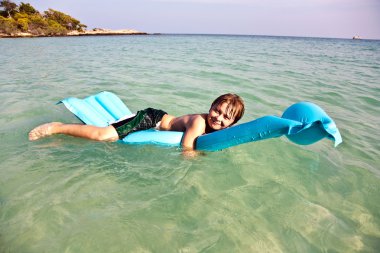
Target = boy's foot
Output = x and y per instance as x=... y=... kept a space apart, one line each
x=42 y=131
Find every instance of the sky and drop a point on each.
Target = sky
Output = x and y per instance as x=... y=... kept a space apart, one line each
x=306 y=18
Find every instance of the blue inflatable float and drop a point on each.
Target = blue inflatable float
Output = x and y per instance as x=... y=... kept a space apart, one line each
x=303 y=123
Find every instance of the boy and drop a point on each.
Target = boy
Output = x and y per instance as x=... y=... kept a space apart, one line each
x=225 y=111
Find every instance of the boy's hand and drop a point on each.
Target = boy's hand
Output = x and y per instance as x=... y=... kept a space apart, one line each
x=189 y=153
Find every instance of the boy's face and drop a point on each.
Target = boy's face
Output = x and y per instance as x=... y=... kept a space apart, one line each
x=218 y=118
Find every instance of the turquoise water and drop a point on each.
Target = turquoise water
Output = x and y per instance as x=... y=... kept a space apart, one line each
x=63 y=194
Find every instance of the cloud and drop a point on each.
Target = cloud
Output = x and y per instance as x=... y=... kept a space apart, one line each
x=234 y=2
x=268 y=2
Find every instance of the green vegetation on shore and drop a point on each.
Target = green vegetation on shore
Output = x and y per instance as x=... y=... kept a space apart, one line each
x=24 y=18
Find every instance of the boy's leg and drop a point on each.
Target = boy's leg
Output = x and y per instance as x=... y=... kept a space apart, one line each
x=84 y=131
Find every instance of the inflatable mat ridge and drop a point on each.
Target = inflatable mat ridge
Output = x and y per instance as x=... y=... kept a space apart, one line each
x=113 y=105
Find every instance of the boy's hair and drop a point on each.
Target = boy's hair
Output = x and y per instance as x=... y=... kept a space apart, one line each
x=235 y=105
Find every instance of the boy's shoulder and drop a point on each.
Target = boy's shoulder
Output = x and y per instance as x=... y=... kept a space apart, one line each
x=186 y=122
x=198 y=117
x=197 y=121
x=193 y=120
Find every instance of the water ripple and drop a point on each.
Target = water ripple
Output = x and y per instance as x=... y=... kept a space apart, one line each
x=66 y=194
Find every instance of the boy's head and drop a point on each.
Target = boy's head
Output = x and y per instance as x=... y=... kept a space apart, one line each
x=225 y=111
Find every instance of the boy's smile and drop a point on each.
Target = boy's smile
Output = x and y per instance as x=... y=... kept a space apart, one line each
x=218 y=117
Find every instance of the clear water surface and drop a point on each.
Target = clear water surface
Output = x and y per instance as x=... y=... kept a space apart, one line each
x=63 y=194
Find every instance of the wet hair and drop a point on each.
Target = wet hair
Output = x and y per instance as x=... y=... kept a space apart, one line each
x=235 y=105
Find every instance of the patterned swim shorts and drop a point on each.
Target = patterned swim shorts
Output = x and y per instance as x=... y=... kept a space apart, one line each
x=143 y=120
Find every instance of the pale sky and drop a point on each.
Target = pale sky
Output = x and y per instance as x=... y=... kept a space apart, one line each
x=310 y=18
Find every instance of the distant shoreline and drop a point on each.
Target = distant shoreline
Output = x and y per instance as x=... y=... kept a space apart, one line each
x=130 y=32
x=94 y=32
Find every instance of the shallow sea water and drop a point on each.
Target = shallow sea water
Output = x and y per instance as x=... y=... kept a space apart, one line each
x=62 y=194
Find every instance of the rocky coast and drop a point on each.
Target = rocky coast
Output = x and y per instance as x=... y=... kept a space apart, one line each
x=101 y=31
x=93 y=32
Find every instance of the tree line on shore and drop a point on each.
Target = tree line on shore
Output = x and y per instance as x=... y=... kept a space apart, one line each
x=24 y=18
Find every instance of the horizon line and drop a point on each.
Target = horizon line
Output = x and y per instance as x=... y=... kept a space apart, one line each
x=263 y=35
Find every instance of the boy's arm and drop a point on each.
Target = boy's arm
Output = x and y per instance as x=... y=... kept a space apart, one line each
x=196 y=128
